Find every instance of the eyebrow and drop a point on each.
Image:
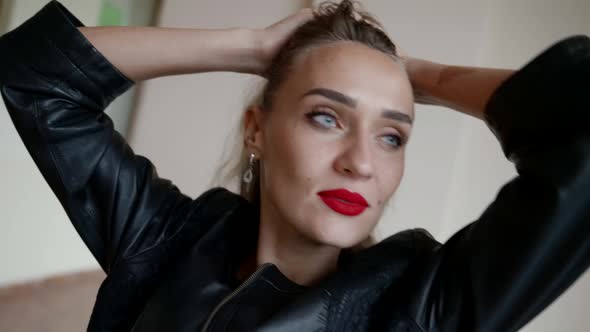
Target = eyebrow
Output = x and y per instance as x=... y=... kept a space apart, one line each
x=352 y=103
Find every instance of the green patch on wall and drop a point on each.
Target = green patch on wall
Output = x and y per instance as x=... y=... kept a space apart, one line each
x=111 y=14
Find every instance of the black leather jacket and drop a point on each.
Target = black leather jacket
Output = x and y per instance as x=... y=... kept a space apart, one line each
x=171 y=260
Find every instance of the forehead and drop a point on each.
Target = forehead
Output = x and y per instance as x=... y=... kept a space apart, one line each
x=369 y=76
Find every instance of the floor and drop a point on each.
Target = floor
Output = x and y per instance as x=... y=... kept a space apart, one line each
x=62 y=303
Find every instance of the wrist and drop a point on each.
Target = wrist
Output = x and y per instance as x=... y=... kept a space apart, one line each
x=422 y=73
x=258 y=61
x=249 y=51
x=424 y=77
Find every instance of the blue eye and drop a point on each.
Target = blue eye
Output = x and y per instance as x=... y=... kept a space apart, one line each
x=323 y=119
x=393 y=140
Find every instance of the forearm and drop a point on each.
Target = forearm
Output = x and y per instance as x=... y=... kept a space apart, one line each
x=147 y=52
x=465 y=89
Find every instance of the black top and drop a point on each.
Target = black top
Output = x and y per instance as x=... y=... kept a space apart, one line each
x=171 y=259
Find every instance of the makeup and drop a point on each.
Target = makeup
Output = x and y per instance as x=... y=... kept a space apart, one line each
x=344 y=202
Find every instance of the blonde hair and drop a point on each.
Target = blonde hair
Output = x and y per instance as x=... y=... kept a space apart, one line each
x=332 y=22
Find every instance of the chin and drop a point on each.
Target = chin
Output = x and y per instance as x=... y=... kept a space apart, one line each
x=342 y=234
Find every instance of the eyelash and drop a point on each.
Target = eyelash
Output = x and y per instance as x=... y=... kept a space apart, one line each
x=313 y=113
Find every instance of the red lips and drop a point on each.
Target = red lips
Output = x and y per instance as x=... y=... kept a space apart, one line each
x=344 y=201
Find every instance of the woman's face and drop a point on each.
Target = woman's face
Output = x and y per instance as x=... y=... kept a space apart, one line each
x=339 y=121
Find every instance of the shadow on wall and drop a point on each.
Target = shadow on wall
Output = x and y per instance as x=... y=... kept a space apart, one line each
x=57 y=304
x=5 y=10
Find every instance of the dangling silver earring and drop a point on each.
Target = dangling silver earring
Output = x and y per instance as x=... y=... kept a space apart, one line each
x=248 y=175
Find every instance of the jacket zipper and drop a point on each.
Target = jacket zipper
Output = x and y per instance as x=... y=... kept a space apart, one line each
x=226 y=299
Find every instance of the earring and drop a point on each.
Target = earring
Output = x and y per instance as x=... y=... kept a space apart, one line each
x=248 y=175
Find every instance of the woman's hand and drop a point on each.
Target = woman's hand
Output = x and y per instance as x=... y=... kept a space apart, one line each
x=423 y=75
x=270 y=40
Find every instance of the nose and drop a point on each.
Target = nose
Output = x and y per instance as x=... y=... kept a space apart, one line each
x=356 y=158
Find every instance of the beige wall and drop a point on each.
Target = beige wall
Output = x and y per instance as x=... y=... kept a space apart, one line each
x=454 y=165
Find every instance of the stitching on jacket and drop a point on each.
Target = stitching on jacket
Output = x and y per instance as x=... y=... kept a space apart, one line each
x=78 y=68
x=54 y=154
x=277 y=288
x=74 y=23
x=178 y=231
x=57 y=156
x=413 y=321
x=50 y=148
x=415 y=245
x=205 y=198
x=328 y=308
x=156 y=244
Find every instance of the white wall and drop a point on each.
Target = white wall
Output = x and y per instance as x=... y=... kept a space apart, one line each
x=454 y=165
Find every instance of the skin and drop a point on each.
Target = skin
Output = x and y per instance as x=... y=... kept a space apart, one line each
x=353 y=147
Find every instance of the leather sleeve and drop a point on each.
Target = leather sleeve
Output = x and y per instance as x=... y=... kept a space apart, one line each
x=55 y=85
x=533 y=241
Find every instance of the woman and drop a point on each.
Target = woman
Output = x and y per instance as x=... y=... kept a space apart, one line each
x=324 y=151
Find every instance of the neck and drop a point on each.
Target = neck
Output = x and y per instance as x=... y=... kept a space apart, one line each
x=302 y=260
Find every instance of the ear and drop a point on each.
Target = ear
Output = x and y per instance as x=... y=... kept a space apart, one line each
x=253 y=131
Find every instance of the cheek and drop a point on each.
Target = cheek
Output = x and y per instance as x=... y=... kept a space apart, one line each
x=389 y=176
x=293 y=155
